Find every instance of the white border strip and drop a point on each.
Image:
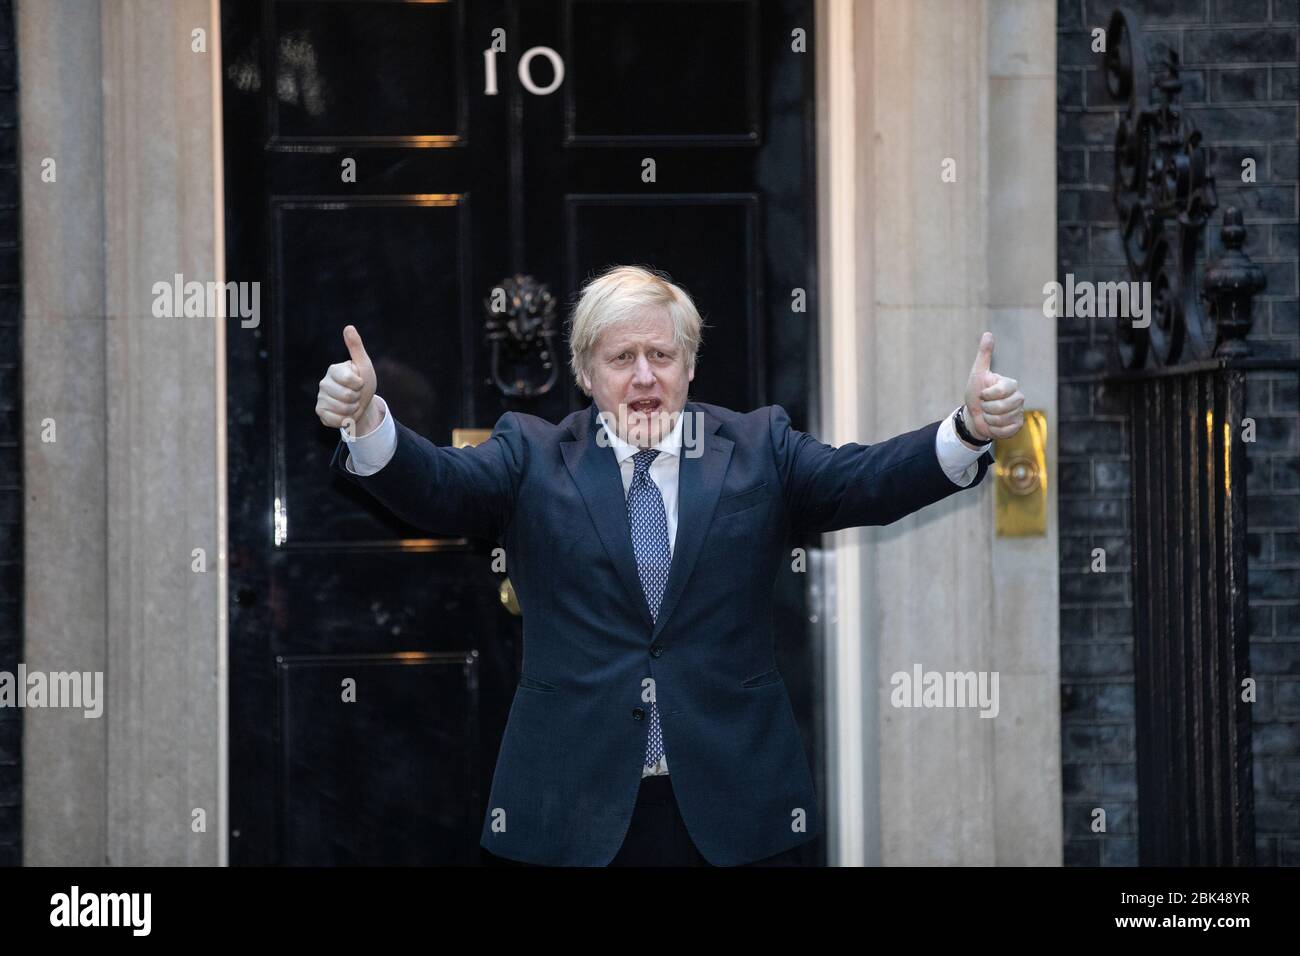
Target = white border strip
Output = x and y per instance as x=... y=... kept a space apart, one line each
x=219 y=398
x=838 y=258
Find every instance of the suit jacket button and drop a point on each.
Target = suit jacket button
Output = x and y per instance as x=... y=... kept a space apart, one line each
x=656 y=650
x=638 y=713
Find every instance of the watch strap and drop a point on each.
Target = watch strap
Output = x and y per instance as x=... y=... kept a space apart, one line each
x=959 y=420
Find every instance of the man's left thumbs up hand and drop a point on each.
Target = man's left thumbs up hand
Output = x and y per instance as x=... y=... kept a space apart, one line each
x=994 y=405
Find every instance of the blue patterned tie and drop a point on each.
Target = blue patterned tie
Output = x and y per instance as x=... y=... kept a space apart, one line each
x=649 y=523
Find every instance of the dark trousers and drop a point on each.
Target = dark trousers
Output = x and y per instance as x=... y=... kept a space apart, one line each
x=657 y=835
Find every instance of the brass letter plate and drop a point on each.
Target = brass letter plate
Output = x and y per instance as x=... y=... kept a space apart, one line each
x=1020 y=470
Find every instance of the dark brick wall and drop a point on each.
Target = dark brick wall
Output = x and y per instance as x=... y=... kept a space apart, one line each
x=11 y=458
x=1239 y=62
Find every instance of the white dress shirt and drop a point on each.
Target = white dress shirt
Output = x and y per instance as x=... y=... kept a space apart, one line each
x=370 y=452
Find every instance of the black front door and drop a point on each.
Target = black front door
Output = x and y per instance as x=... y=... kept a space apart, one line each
x=372 y=179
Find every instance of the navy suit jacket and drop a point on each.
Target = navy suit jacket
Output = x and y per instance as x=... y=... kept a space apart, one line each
x=569 y=767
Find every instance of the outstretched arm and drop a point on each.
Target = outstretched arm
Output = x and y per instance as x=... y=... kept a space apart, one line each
x=452 y=491
x=828 y=488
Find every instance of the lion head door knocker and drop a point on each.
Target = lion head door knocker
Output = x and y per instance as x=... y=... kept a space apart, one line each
x=520 y=325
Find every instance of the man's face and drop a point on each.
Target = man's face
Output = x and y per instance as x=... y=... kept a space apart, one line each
x=638 y=378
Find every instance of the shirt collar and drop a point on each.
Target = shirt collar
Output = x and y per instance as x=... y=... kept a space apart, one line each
x=670 y=444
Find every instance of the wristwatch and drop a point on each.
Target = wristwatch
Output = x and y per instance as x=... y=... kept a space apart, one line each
x=959 y=420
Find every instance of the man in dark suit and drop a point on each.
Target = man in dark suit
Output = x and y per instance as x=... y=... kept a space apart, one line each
x=642 y=536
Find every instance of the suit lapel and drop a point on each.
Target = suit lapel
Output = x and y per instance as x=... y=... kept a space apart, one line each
x=699 y=483
x=595 y=471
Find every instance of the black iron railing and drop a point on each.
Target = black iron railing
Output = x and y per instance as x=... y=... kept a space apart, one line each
x=1190 y=618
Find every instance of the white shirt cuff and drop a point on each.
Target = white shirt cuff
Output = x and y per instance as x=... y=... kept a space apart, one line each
x=369 y=453
x=958 y=461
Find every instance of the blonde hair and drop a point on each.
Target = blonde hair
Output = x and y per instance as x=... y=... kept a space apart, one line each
x=615 y=296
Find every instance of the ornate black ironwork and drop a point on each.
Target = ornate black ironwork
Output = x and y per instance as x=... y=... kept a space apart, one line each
x=1231 y=282
x=1161 y=180
x=520 y=328
x=1185 y=376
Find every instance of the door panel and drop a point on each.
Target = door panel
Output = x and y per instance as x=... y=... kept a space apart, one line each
x=635 y=73
x=360 y=72
x=368 y=764
x=328 y=253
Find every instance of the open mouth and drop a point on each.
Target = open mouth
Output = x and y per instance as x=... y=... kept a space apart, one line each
x=645 y=405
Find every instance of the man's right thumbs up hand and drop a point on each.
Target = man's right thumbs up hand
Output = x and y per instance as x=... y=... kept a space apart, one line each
x=347 y=388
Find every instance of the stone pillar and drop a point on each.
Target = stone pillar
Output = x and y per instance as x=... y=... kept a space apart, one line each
x=934 y=264
x=135 y=481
